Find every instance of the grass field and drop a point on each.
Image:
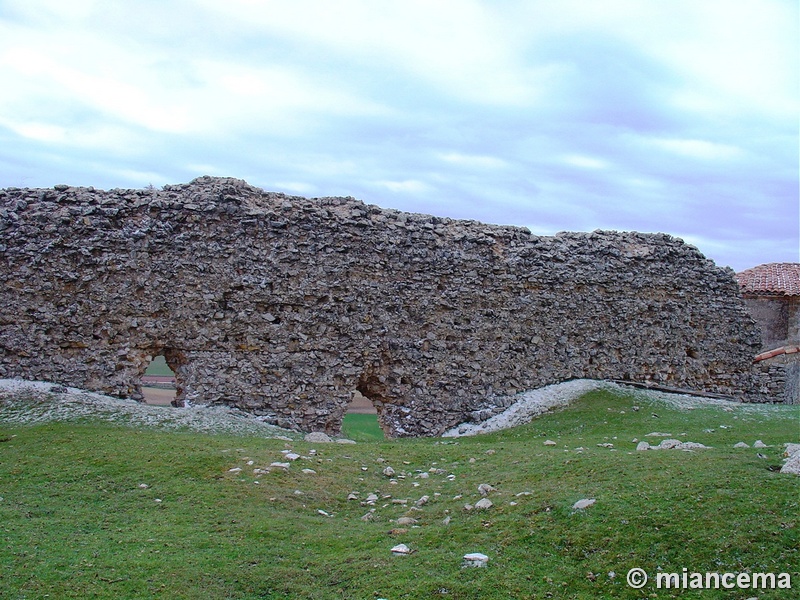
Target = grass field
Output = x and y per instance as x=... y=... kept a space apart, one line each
x=100 y=511
x=159 y=367
x=362 y=428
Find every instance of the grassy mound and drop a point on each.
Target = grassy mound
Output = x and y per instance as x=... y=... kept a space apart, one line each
x=106 y=511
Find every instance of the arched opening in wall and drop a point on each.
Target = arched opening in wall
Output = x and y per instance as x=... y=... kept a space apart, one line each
x=360 y=422
x=158 y=383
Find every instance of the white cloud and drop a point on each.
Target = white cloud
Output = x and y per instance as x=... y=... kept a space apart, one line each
x=473 y=161
x=409 y=186
x=698 y=149
x=585 y=162
x=457 y=46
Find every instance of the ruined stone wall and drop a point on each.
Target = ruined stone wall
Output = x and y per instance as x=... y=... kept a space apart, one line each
x=283 y=306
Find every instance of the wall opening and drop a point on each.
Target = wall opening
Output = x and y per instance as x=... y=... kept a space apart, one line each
x=158 y=384
x=360 y=422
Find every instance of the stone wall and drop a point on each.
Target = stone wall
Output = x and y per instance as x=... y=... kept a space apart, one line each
x=283 y=306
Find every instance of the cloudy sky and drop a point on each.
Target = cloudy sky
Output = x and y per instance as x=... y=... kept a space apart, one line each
x=679 y=116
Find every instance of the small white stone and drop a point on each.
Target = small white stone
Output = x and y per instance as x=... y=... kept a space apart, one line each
x=759 y=444
x=585 y=503
x=485 y=489
x=291 y=456
x=422 y=501
x=280 y=465
x=642 y=446
x=143 y=486
x=309 y=471
x=669 y=444
x=401 y=550
x=406 y=521
x=483 y=504
x=792 y=465
x=317 y=437
x=689 y=446
x=323 y=513
x=389 y=472
x=740 y=445
x=791 y=449
x=549 y=443
x=475 y=559
x=345 y=441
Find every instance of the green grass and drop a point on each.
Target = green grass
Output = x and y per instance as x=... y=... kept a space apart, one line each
x=362 y=428
x=74 y=522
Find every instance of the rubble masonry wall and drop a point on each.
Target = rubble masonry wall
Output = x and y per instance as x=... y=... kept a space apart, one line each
x=283 y=306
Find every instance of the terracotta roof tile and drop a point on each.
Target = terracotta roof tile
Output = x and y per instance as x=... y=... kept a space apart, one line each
x=773 y=279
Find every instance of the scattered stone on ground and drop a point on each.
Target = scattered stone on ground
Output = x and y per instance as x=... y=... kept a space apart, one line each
x=671 y=444
x=485 y=489
x=389 y=472
x=401 y=550
x=792 y=464
x=740 y=445
x=483 y=504
x=549 y=443
x=759 y=444
x=475 y=559
x=791 y=449
x=584 y=503
x=318 y=437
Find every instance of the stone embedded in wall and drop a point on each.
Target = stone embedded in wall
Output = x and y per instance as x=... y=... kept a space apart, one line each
x=283 y=306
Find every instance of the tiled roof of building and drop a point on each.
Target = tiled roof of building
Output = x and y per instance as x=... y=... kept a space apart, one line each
x=772 y=279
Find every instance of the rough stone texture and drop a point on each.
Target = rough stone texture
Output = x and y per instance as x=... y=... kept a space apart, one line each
x=778 y=379
x=283 y=306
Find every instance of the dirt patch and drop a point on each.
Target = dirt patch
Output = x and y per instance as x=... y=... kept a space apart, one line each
x=158 y=396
